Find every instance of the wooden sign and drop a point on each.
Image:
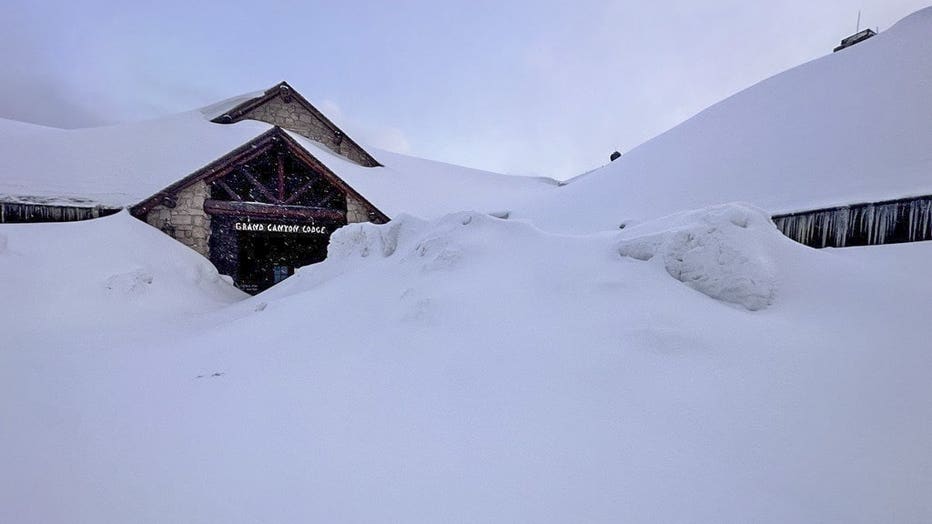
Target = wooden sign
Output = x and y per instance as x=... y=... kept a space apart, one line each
x=267 y=227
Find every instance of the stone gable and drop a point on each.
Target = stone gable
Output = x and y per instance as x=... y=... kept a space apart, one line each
x=293 y=116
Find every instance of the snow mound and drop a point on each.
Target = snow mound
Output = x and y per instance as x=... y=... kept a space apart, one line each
x=115 y=269
x=430 y=245
x=363 y=239
x=725 y=252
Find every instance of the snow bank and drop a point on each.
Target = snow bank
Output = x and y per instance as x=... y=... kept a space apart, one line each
x=465 y=369
x=433 y=245
x=726 y=252
x=113 y=271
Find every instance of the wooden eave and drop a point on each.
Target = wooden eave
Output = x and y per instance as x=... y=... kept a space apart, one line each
x=238 y=113
x=243 y=154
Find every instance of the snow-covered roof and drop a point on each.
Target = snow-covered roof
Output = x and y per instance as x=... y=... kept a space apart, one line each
x=428 y=188
x=113 y=165
x=219 y=108
x=125 y=164
x=853 y=126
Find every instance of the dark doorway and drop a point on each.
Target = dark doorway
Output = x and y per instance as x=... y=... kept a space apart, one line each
x=260 y=253
x=268 y=258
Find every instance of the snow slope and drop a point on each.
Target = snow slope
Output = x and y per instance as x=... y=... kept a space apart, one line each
x=431 y=189
x=474 y=369
x=124 y=164
x=107 y=273
x=853 y=126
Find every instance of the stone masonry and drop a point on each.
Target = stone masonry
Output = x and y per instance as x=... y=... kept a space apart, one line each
x=355 y=211
x=295 y=117
x=188 y=220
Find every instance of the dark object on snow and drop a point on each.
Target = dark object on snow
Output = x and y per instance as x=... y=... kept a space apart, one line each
x=614 y=156
x=855 y=39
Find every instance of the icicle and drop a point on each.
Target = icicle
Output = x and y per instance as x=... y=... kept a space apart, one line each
x=919 y=218
x=841 y=226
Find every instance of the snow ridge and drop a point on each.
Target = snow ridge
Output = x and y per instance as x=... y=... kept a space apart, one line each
x=725 y=252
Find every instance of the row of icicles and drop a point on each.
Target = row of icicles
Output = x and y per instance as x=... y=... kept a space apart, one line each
x=875 y=223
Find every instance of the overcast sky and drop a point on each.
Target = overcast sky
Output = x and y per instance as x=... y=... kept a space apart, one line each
x=530 y=87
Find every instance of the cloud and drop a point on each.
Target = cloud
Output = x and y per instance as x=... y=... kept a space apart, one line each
x=33 y=89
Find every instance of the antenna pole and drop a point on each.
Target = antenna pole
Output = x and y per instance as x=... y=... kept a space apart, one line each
x=859 y=21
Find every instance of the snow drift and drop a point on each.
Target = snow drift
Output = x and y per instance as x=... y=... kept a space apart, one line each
x=107 y=272
x=725 y=252
x=466 y=369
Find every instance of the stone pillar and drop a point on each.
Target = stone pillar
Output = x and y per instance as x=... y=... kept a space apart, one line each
x=186 y=222
x=355 y=211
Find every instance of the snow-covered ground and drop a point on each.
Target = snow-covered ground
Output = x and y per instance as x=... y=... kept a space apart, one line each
x=694 y=366
x=467 y=369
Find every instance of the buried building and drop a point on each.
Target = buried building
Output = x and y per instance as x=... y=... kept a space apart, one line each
x=259 y=212
x=257 y=184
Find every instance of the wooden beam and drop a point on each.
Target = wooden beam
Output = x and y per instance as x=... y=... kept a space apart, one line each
x=303 y=189
x=229 y=190
x=323 y=200
x=266 y=211
x=281 y=177
x=262 y=189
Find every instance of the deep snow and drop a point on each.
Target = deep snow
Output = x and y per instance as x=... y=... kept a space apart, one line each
x=459 y=367
x=467 y=369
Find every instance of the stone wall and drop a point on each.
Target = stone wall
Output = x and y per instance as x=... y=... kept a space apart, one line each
x=191 y=225
x=355 y=211
x=295 y=117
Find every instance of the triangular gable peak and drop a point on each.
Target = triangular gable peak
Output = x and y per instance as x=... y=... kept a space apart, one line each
x=284 y=107
x=273 y=139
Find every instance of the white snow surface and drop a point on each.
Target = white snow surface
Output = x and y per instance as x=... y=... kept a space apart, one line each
x=853 y=126
x=124 y=164
x=430 y=189
x=456 y=367
x=465 y=369
x=122 y=269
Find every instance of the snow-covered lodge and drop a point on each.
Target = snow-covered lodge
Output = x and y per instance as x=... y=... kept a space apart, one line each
x=270 y=205
x=258 y=211
x=256 y=183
